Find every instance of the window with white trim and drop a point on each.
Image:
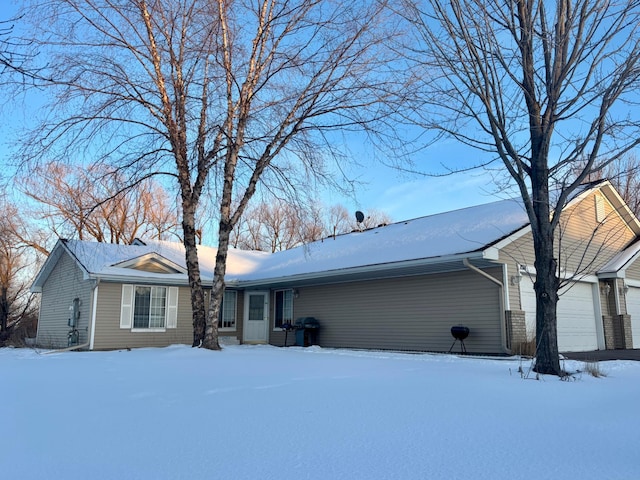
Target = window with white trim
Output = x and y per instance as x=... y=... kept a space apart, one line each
x=148 y=308
x=283 y=307
x=228 y=310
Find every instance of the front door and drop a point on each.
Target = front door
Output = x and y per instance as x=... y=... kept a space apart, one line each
x=256 y=317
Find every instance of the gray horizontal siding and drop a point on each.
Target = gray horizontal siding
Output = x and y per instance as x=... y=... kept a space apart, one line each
x=63 y=285
x=412 y=313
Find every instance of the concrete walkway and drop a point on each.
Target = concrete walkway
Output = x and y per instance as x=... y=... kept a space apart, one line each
x=603 y=355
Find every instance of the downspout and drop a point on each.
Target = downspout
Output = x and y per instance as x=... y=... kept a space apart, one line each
x=503 y=333
x=94 y=310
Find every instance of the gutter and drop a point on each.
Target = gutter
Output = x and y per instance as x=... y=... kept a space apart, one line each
x=503 y=332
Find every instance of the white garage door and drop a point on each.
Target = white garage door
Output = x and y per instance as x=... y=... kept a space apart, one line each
x=577 y=327
x=633 y=308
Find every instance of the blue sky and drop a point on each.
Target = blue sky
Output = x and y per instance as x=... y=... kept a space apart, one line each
x=400 y=195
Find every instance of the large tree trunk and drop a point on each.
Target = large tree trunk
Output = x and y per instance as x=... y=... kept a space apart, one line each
x=546 y=289
x=193 y=270
x=547 y=281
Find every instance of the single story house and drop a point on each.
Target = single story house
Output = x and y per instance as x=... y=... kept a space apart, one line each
x=400 y=286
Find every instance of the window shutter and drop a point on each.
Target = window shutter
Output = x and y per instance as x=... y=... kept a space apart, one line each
x=172 y=307
x=126 y=306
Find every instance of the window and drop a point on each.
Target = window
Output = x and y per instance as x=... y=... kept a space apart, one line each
x=148 y=308
x=228 y=311
x=284 y=307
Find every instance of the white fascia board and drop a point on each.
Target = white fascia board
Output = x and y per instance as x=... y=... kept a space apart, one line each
x=141 y=280
x=491 y=253
x=512 y=238
x=620 y=270
x=355 y=270
x=607 y=275
x=616 y=201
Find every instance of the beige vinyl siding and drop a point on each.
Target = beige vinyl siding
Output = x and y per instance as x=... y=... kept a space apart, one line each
x=586 y=245
x=410 y=313
x=583 y=245
x=110 y=336
x=632 y=272
x=63 y=285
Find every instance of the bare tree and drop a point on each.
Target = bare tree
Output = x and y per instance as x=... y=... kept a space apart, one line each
x=248 y=90
x=279 y=225
x=270 y=227
x=16 y=301
x=541 y=86
x=89 y=203
x=13 y=53
x=624 y=174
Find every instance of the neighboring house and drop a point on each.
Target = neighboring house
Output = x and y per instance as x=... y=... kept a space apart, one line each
x=400 y=286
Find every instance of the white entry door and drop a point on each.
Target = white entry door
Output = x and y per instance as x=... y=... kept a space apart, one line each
x=256 y=317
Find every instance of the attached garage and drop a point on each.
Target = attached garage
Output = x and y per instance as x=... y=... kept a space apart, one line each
x=579 y=320
x=633 y=309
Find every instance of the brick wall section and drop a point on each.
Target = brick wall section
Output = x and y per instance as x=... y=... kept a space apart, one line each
x=609 y=332
x=625 y=329
x=617 y=331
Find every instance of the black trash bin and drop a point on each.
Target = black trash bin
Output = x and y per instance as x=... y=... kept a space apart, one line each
x=306 y=331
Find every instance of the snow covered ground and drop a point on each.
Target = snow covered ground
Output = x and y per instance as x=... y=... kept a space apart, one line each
x=272 y=413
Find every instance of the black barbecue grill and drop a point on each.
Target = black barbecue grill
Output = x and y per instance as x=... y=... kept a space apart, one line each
x=459 y=333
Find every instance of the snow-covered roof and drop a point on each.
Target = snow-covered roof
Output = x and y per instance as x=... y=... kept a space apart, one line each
x=427 y=242
x=433 y=238
x=438 y=236
x=621 y=261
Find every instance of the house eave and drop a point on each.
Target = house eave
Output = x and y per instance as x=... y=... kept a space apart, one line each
x=369 y=272
x=141 y=280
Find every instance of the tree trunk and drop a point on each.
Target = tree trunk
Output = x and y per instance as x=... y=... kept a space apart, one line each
x=193 y=270
x=217 y=291
x=4 y=309
x=547 y=281
x=546 y=289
